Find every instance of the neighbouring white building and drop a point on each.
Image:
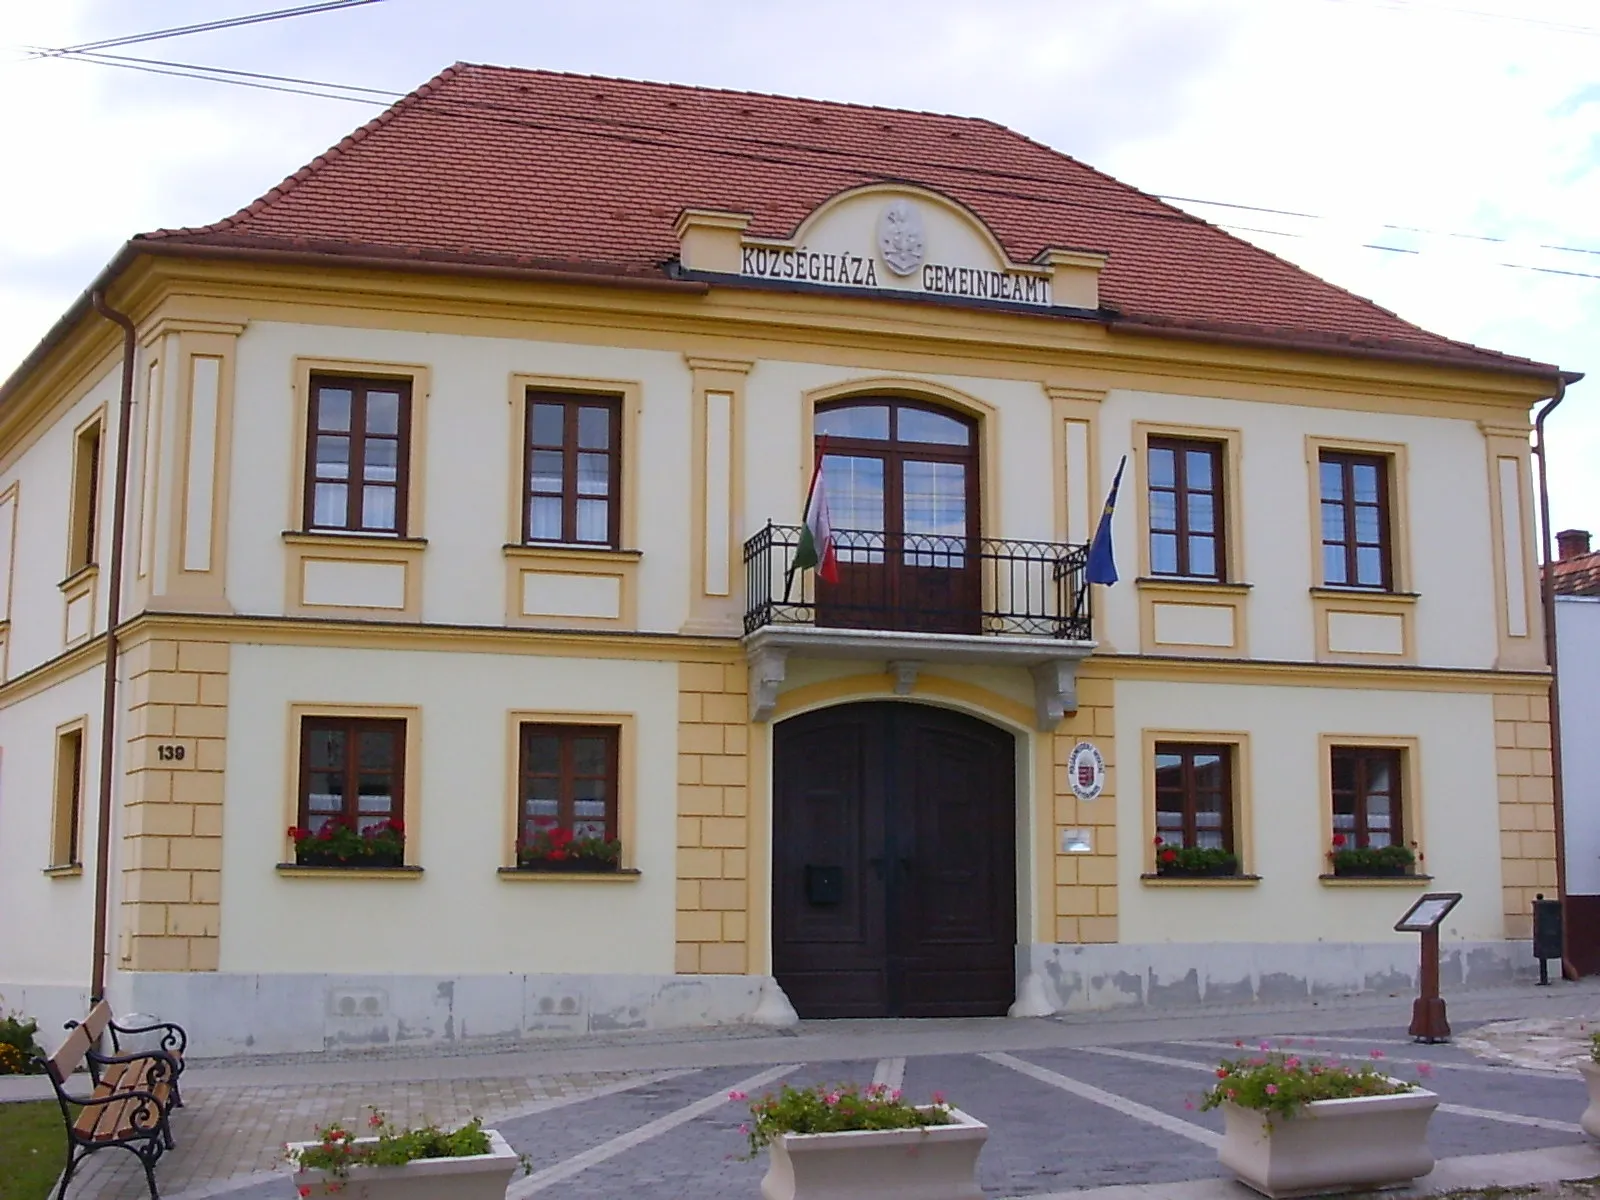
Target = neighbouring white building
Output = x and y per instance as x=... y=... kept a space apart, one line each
x=1575 y=576
x=467 y=685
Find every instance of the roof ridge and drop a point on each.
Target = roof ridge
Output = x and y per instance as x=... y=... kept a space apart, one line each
x=328 y=156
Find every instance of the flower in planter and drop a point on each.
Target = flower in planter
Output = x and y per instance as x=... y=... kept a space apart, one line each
x=558 y=849
x=835 y=1109
x=1370 y=860
x=338 y=844
x=336 y=1149
x=1280 y=1084
x=1173 y=858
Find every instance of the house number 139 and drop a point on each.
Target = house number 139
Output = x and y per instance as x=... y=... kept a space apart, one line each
x=169 y=753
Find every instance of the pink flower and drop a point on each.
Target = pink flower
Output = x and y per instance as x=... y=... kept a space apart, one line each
x=1376 y=1053
x=1238 y=1044
x=895 y=1095
x=1425 y=1070
x=1189 y=1104
x=1291 y=1062
x=737 y=1095
x=938 y=1097
x=832 y=1098
x=1272 y=1089
x=1264 y=1046
x=744 y=1129
x=304 y=1191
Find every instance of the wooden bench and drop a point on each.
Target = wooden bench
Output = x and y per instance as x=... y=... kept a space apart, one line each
x=131 y=1096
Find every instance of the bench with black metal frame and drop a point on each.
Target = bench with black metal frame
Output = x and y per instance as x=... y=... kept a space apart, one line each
x=131 y=1094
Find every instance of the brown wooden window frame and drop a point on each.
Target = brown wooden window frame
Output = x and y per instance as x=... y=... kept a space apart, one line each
x=352 y=727
x=565 y=735
x=1181 y=448
x=355 y=480
x=1189 y=792
x=1350 y=545
x=84 y=537
x=571 y=405
x=66 y=831
x=1359 y=837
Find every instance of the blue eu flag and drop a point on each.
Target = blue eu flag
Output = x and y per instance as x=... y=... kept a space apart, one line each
x=1102 y=559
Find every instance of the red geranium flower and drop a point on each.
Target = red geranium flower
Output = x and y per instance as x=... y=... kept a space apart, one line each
x=1338 y=840
x=1169 y=855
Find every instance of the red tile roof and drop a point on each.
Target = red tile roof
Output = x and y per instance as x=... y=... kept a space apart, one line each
x=1577 y=576
x=493 y=165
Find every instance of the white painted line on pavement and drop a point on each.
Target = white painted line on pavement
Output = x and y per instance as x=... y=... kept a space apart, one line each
x=539 y=1180
x=611 y=1089
x=890 y=1073
x=1459 y=1110
x=1505 y=1118
x=1480 y=1068
x=1121 y=1104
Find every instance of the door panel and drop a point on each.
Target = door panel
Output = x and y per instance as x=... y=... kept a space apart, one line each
x=913 y=809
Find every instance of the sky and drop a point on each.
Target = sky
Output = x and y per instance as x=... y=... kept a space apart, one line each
x=1441 y=157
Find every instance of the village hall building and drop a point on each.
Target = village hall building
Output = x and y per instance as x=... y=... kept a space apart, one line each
x=467 y=683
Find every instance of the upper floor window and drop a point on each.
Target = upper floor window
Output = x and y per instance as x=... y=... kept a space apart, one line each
x=572 y=470
x=357 y=455
x=1186 y=508
x=83 y=539
x=67 y=814
x=1355 y=520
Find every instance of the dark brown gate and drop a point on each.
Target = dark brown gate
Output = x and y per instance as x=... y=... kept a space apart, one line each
x=894 y=863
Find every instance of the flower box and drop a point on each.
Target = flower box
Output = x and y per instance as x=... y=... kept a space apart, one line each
x=570 y=865
x=933 y=1162
x=1205 y=871
x=1329 y=1145
x=1591 y=1115
x=477 y=1177
x=1374 y=871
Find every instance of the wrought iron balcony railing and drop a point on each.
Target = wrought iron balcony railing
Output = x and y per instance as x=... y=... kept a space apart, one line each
x=923 y=583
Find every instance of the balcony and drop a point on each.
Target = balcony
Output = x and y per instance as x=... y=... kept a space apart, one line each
x=906 y=600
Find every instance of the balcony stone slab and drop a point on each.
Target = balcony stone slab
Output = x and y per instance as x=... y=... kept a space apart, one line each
x=1053 y=663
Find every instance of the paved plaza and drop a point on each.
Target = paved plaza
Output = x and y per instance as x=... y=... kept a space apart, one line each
x=1083 y=1103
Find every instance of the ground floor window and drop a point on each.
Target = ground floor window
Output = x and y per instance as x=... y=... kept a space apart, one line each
x=1369 y=824
x=351 y=792
x=1194 y=809
x=567 y=797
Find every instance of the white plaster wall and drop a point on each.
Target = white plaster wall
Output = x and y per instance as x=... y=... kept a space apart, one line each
x=468 y=483
x=1459 y=803
x=1578 y=644
x=1448 y=494
x=46 y=936
x=460 y=917
x=43 y=518
x=777 y=453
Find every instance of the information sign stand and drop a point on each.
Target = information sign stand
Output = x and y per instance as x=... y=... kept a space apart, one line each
x=1428 y=1021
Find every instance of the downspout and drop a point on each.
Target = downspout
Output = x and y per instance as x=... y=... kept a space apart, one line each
x=1547 y=596
x=108 y=710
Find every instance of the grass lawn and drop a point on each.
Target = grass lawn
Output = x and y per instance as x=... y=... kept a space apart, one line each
x=32 y=1149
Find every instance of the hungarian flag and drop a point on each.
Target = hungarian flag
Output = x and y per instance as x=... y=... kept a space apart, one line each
x=816 y=535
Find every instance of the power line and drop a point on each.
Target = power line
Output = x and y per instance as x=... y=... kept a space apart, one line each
x=637 y=133
x=204 y=27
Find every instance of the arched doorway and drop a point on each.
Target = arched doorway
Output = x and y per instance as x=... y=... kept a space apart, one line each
x=902 y=481
x=894 y=862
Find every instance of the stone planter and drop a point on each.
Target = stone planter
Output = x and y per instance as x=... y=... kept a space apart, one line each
x=1330 y=1145
x=936 y=1162
x=1591 y=1115
x=480 y=1177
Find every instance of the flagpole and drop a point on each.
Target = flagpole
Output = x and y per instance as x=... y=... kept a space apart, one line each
x=811 y=490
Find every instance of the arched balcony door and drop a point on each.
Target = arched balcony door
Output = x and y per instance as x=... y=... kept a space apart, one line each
x=902 y=486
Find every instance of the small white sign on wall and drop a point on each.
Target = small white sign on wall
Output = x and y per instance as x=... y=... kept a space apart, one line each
x=1086 y=771
x=1077 y=841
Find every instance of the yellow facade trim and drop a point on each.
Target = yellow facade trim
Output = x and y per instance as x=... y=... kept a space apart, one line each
x=1519 y=615
x=619 y=565
x=79 y=595
x=716 y=444
x=304 y=549
x=205 y=587
x=411 y=802
x=86 y=530
x=1077 y=492
x=1192 y=594
x=625 y=723
x=1329 y=603
x=1243 y=805
x=345 y=874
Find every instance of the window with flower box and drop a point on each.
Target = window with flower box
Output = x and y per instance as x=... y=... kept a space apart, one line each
x=567 y=798
x=1194 y=810
x=351 y=792
x=1369 y=822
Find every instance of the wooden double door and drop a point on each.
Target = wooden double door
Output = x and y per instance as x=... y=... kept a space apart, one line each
x=894 y=863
